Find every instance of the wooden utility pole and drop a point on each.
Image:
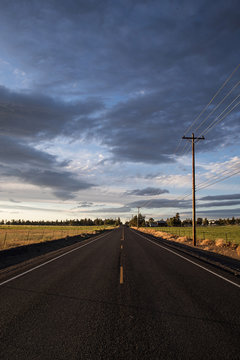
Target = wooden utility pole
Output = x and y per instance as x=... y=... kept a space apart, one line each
x=193 y=184
x=138 y=217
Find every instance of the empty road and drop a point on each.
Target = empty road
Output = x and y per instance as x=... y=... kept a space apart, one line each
x=119 y=296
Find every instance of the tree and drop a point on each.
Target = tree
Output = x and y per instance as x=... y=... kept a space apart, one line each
x=187 y=222
x=118 y=221
x=174 y=221
x=135 y=220
x=199 y=221
x=205 y=222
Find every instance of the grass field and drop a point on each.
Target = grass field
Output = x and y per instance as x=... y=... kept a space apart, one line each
x=229 y=233
x=18 y=235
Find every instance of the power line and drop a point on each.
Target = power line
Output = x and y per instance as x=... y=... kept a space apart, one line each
x=217 y=106
x=205 y=108
x=218 y=91
x=219 y=174
x=219 y=179
x=188 y=149
x=217 y=120
x=227 y=174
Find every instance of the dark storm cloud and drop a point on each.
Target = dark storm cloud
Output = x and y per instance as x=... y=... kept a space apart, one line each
x=221 y=197
x=36 y=116
x=62 y=183
x=147 y=191
x=21 y=154
x=26 y=119
x=154 y=64
x=39 y=168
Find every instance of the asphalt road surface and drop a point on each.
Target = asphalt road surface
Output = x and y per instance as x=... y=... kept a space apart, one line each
x=119 y=296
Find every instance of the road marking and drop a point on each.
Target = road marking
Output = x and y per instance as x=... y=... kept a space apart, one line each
x=121 y=274
x=49 y=261
x=192 y=262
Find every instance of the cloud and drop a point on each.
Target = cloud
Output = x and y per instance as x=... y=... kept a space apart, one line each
x=84 y=204
x=28 y=119
x=63 y=184
x=14 y=152
x=31 y=208
x=174 y=180
x=147 y=191
x=34 y=116
x=160 y=203
x=123 y=209
x=152 y=176
x=14 y=201
x=221 y=197
x=217 y=213
x=154 y=84
x=219 y=203
x=133 y=96
x=39 y=168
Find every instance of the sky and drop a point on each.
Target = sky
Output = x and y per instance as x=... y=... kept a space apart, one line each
x=95 y=97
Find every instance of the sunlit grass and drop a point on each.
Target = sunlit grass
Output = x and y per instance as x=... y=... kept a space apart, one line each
x=229 y=233
x=18 y=235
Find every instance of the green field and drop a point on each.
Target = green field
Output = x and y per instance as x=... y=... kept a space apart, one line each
x=229 y=233
x=18 y=235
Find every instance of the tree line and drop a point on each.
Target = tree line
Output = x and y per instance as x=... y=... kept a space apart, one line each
x=176 y=221
x=74 y=222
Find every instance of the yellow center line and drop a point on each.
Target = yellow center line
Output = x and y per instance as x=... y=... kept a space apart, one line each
x=121 y=274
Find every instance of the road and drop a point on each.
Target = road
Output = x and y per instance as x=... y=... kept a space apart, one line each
x=119 y=296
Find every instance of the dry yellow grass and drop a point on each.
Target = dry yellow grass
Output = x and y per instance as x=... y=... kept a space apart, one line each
x=238 y=250
x=207 y=242
x=220 y=242
x=14 y=236
x=182 y=239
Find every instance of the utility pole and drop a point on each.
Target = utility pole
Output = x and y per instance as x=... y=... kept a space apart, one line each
x=193 y=184
x=138 y=217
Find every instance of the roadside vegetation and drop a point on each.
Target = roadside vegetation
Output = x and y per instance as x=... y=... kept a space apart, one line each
x=221 y=236
x=19 y=235
x=229 y=233
x=213 y=240
x=228 y=230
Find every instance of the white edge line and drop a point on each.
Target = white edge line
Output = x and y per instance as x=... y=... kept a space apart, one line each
x=183 y=257
x=49 y=261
